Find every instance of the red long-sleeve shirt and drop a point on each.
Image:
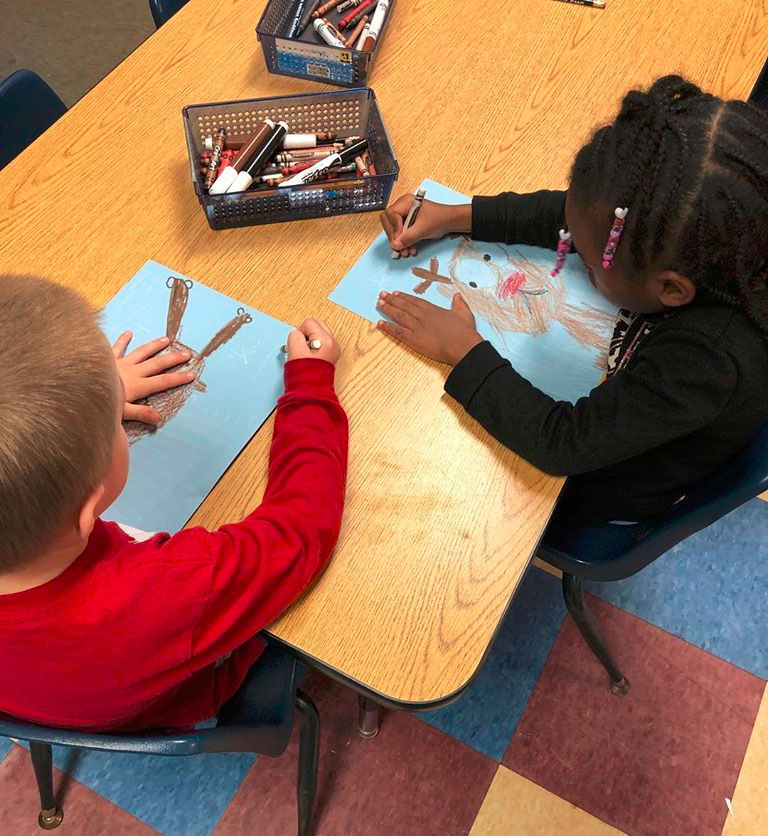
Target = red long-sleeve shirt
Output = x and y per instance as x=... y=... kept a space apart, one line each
x=158 y=634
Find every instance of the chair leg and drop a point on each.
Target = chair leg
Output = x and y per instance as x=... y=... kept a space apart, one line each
x=309 y=749
x=42 y=761
x=367 y=717
x=573 y=592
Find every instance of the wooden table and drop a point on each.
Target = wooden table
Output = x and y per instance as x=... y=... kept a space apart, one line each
x=441 y=521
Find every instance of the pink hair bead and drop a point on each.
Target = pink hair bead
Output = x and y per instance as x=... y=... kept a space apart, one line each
x=563 y=248
x=614 y=236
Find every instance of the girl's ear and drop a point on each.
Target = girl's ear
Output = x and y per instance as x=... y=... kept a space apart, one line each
x=673 y=289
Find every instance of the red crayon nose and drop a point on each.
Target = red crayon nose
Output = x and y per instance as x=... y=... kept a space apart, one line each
x=511 y=285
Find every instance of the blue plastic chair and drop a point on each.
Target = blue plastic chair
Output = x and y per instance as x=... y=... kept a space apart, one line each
x=743 y=479
x=28 y=107
x=258 y=719
x=759 y=94
x=164 y=10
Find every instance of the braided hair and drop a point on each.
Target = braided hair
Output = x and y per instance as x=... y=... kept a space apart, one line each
x=693 y=170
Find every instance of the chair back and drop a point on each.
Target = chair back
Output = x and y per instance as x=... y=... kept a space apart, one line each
x=28 y=107
x=163 y=10
x=759 y=94
x=742 y=479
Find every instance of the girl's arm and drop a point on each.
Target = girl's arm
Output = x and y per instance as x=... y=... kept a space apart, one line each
x=679 y=383
x=519 y=218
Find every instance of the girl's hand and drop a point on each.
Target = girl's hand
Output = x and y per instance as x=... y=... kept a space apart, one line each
x=144 y=372
x=313 y=329
x=433 y=221
x=444 y=335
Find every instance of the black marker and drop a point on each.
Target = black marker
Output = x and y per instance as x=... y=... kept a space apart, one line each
x=345 y=155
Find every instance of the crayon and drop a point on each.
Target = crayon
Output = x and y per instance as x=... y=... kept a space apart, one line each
x=347 y=4
x=363 y=36
x=326 y=7
x=355 y=14
x=215 y=161
x=361 y=167
x=354 y=35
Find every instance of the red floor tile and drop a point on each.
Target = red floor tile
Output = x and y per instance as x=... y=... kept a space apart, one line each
x=411 y=779
x=659 y=761
x=85 y=812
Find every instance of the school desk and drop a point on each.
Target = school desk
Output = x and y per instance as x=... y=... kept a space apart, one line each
x=441 y=521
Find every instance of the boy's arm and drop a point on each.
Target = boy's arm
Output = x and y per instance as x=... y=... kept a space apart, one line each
x=519 y=218
x=261 y=564
x=679 y=383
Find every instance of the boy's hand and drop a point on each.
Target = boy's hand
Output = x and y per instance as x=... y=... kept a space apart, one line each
x=144 y=372
x=313 y=329
x=433 y=221
x=444 y=335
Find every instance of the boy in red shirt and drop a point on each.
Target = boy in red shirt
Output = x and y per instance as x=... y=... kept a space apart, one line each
x=99 y=631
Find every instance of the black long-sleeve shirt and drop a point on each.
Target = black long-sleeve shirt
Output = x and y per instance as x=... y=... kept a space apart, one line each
x=694 y=392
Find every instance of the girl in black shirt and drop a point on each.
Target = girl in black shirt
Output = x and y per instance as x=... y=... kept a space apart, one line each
x=668 y=208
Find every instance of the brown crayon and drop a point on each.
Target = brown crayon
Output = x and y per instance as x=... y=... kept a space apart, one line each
x=215 y=161
x=355 y=33
x=326 y=7
x=362 y=168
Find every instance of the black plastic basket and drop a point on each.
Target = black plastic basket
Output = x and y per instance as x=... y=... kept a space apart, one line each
x=345 y=112
x=307 y=56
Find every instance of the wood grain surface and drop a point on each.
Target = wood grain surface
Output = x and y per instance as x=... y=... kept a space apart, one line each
x=441 y=521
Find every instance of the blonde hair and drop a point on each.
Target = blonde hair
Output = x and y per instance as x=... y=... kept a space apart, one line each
x=58 y=407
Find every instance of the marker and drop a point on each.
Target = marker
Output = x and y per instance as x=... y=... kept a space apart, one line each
x=259 y=159
x=377 y=21
x=307 y=16
x=354 y=35
x=326 y=7
x=254 y=144
x=298 y=13
x=342 y=157
x=328 y=33
x=314 y=345
x=410 y=218
x=355 y=14
x=596 y=4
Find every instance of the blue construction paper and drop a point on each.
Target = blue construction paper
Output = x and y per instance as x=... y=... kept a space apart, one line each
x=555 y=331
x=175 y=467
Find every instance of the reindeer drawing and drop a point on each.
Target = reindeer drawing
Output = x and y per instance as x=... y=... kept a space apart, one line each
x=169 y=402
x=515 y=295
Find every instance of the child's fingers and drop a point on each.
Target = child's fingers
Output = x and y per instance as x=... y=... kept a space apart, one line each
x=161 y=382
x=141 y=412
x=162 y=362
x=121 y=343
x=144 y=352
x=297 y=345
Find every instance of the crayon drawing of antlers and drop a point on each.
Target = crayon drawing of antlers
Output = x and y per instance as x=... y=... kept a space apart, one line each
x=169 y=402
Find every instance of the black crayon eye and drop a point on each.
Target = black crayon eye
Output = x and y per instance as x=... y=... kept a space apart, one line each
x=473 y=284
x=486 y=257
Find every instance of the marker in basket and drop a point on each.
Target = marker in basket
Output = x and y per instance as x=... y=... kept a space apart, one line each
x=328 y=33
x=595 y=4
x=377 y=21
x=215 y=161
x=307 y=16
x=413 y=212
x=354 y=35
x=363 y=36
x=342 y=157
x=256 y=142
x=354 y=15
x=291 y=30
x=326 y=7
x=259 y=160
